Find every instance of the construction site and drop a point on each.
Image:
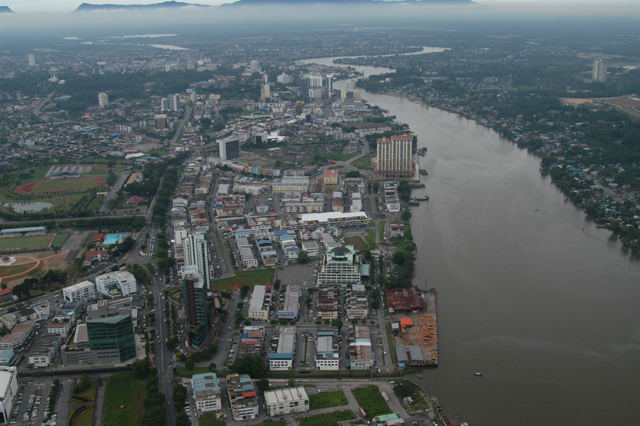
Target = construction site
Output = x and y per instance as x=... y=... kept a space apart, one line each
x=414 y=326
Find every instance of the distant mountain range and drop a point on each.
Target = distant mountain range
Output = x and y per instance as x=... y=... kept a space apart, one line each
x=5 y=9
x=89 y=7
x=305 y=2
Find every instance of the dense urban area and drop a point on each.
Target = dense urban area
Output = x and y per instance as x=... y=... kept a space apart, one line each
x=211 y=233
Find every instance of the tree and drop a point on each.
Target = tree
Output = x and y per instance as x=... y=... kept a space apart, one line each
x=189 y=364
x=140 y=368
x=262 y=385
x=253 y=365
x=182 y=419
x=303 y=257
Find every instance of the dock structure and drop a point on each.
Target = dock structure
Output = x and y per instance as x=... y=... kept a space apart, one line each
x=416 y=333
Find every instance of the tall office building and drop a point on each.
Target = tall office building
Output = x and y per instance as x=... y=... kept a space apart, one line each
x=103 y=99
x=229 y=149
x=194 y=296
x=394 y=157
x=265 y=91
x=599 y=72
x=31 y=59
x=196 y=255
x=110 y=331
x=309 y=82
x=329 y=83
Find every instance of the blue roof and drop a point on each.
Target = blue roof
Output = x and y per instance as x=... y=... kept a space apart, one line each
x=325 y=333
x=280 y=232
x=244 y=379
x=278 y=355
x=261 y=242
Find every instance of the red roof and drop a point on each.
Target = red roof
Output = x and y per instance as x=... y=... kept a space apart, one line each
x=406 y=321
x=248 y=394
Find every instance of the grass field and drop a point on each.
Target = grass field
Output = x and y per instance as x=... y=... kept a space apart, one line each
x=327 y=399
x=210 y=419
x=371 y=239
x=25 y=243
x=86 y=417
x=364 y=162
x=392 y=345
x=329 y=419
x=242 y=278
x=5 y=271
x=54 y=186
x=371 y=401
x=357 y=242
x=123 y=400
x=381 y=230
x=59 y=240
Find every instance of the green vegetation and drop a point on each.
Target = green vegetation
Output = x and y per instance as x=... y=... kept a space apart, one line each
x=364 y=162
x=210 y=419
x=6 y=271
x=381 y=230
x=64 y=185
x=82 y=403
x=123 y=400
x=25 y=243
x=371 y=239
x=329 y=419
x=59 y=240
x=392 y=345
x=327 y=399
x=253 y=365
x=371 y=401
x=244 y=278
x=357 y=242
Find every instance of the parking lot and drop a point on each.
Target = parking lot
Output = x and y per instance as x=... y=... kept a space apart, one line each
x=31 y=402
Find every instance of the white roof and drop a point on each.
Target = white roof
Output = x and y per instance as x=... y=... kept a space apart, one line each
x=257 y=298
x=326 y=216
x=6 y=373
x=280 y=396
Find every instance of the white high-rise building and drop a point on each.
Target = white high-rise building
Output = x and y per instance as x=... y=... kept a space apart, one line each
x=31 y=59
x=599 y=72
x=8 y=391
x=196 y=254
x=394 y=157
x=174 y=102
x=284 y=79
x=164 y=104
x=265 y=91
x=103 y=99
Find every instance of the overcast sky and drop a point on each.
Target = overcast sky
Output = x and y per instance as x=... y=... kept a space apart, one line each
x=69 y=5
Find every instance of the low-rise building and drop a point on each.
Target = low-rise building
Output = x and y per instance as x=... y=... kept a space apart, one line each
x=289 y=309
x=60 y=326
x=360 y=349
x=82 y=292
x=20 y=334
x=259 y=306
x=7 y=357
x=44 y=351
x=282 y=359
x=117 y=283
x=206 y=392
x=242 y=397
x=357 y=303
x=251 y=341
x=327 y=354
x=286 y=401
x=311 y=248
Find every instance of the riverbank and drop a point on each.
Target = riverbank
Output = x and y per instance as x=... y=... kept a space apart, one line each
x=583 y=197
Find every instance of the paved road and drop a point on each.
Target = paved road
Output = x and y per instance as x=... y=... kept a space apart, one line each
x=113 y=192
x=99 y=404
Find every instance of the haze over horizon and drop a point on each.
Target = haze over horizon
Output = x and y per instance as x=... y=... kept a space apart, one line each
x=70 y=5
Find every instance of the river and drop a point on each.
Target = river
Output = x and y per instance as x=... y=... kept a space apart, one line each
x=529 y=292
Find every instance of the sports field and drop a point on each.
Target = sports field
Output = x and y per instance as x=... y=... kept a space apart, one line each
x=60 y=186
x=26 y=243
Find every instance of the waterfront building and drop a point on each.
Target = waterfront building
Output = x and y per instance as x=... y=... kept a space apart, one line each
x=340 y=267
x=394 y=157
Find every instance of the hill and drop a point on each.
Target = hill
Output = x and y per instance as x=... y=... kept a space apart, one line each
x=5 y=9
x=90 y=7
x=333 y=2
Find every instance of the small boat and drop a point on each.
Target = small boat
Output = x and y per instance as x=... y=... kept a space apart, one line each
x=478 y=374
x=419 y=376
x=424 y=172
